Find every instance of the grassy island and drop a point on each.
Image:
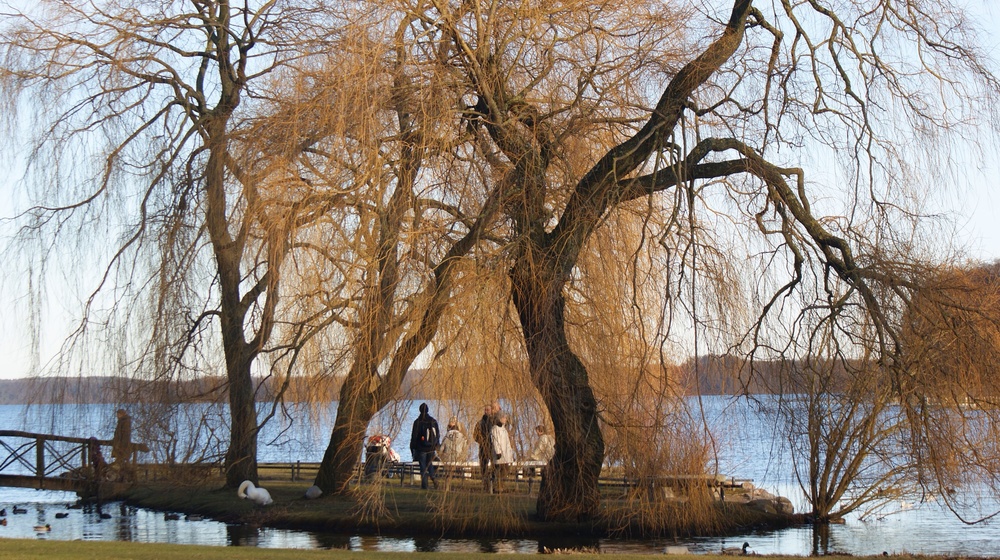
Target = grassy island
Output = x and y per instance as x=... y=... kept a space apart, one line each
x=456 y=509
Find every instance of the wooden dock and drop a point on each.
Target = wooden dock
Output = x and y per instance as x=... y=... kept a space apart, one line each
x=51 y=462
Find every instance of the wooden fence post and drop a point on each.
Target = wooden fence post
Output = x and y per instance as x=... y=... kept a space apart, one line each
x=40 y=456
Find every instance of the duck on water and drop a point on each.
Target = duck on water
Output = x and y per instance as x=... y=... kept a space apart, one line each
x=742 y=551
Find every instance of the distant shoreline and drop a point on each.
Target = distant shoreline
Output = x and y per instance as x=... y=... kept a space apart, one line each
x=118 y=390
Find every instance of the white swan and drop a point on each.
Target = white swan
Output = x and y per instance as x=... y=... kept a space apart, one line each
x=256 y=495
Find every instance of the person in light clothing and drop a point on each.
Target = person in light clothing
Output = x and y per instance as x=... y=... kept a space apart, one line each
x=545 y=447
x=454 y=446
x=503 y=453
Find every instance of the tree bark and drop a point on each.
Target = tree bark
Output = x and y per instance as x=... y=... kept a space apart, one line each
x=569 y=489
x=354 y=412
x=241 y=457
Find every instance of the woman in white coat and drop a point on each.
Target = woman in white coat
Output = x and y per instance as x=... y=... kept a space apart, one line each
x=503 y=453
x=454 y=445
x=545 y=447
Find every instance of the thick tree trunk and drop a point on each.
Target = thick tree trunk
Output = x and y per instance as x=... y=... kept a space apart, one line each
x=354 y=412
x=569 y=490
x=241 y=457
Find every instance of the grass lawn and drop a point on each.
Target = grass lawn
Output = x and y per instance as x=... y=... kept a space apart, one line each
x=68 y=550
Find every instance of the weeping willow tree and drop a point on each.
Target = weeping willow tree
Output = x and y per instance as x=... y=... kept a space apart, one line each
x=843 y=425
x=565 y=94
x=378 y=126
x=621 y=316
x=949 y=397
x=872 y=440
x=135 y=122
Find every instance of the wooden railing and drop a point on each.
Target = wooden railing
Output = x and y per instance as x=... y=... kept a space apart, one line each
x=408 y=472
x=45 y=460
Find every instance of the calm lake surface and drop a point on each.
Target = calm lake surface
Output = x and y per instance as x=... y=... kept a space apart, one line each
x=746 y=444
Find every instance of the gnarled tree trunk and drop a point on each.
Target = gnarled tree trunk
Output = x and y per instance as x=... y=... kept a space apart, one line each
x=569 y=489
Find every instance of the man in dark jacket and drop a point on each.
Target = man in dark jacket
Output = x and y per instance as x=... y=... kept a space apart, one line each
x=424 y=441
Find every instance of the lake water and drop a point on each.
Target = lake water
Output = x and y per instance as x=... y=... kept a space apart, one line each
x=746 y=449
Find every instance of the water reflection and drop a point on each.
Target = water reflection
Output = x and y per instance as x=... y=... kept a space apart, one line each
x=332 y=541
x=426 y=544
x=242 y=535
x=821 y=540
x=920 y=530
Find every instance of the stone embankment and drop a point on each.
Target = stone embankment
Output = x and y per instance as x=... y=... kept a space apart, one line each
x=755 y=498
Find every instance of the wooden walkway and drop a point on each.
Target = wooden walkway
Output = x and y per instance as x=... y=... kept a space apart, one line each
x=51 y=462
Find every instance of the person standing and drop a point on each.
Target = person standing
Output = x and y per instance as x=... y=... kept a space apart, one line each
x=424 y=441
x=503 y=453
x=483 y=434
x=121 y=442
x=121 y=445
x=454 y=445
x=96 y=459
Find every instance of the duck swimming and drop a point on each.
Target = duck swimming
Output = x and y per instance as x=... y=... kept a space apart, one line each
x=43 y=528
